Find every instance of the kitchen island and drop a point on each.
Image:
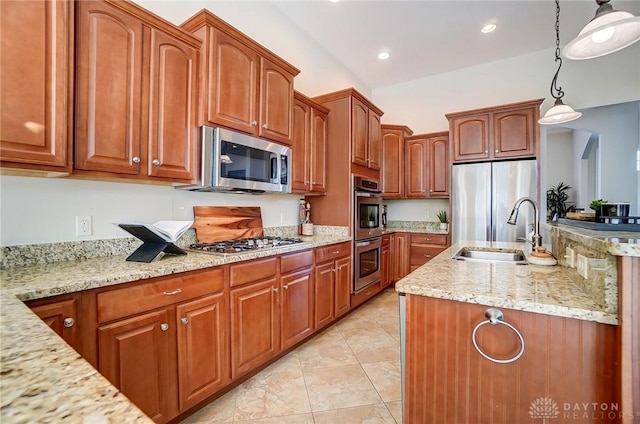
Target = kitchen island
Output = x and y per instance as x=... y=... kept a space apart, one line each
x=43 y=378
x=571 y=346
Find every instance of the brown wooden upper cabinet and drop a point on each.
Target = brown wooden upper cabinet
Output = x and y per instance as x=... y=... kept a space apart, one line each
x=501 y=132
x=36 y=85
x=355 y=116
x=427 y=166
x=136 y=93
x=244 y=86
x=309 y=144
x=392 y=173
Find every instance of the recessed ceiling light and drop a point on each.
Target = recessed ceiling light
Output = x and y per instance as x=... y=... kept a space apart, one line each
x=334 y=1
x=383 y=55
x=488 y=28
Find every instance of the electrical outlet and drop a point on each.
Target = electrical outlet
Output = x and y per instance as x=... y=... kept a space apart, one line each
x=83 y=226
x=570 y=256
x=582 y=264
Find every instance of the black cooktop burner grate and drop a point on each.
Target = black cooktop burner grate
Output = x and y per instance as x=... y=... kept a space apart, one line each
x=244 y=245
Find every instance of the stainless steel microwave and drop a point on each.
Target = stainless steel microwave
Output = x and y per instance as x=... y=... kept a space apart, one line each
x=235 y=162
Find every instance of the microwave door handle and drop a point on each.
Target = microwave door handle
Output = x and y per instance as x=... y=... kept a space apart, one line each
x=274 y=167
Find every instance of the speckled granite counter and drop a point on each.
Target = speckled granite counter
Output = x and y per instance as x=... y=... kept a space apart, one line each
x=549 y=290
x=617 y=243
x=45 y=380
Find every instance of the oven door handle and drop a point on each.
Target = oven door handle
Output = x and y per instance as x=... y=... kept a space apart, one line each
x=363 y=243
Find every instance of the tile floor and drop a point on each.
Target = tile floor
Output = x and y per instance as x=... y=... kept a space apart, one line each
x=348 y=374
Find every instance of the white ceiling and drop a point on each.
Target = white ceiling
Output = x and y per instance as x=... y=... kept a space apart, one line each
x=427 y=37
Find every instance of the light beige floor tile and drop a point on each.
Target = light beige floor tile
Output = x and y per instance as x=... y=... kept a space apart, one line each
x=385 y=377
x=368 y=414
x=326 y=352
x=339 y=387
x=396 y=410
x=220 y=410
x=287 y=419
x=373 y=345
x=277 y=390
x=394 y=331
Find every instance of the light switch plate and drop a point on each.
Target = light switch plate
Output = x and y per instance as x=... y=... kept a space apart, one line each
x=570 y=255
x=582 y=264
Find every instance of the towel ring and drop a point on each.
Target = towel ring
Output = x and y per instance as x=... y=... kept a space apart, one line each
x=495 y=316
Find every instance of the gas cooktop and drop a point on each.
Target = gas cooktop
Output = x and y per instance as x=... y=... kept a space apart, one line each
x=244 y=245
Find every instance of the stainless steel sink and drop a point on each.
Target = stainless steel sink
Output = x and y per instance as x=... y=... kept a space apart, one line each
x=486 y=254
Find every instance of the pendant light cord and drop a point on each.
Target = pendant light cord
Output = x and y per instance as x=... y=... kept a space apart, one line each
x=554 y=81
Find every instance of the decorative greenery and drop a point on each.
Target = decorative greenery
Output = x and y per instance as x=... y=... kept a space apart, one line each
x=558 y=201
x=442 y=217
x=595 y=204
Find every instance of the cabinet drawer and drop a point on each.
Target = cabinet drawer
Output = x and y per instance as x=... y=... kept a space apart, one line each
x=333 y=251
x=366 y=294
x=422 y=254
x=120 y=303
x=295 y=261
x=439 y=239
x=252 y=271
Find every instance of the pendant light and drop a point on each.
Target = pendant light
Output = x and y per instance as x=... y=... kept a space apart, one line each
x=609 y=31
x=559 y=113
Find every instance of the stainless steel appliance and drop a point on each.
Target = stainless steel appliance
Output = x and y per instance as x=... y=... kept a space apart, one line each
x=367 y=232
x=244 y=245
x=483 y=195
x=236 y=162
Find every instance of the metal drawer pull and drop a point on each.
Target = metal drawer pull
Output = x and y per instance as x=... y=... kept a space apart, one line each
x=184 y=320
x=495 y=316
x=164 y=327
x=335 y=252
x=286 y=287
x=68 y=322
x=171 y=293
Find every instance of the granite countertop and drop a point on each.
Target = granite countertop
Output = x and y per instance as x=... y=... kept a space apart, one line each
x=43 y=378
x=617 y=243
x=552 y=290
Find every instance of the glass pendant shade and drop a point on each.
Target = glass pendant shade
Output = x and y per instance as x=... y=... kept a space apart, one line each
x=559 y=114
x=606 y=33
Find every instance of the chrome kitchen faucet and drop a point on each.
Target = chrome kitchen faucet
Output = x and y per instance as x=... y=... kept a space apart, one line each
x=536 y=238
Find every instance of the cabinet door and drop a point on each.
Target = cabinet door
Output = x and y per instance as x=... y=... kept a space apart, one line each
x=134 y=357
x=172 y=108
x=36 y=96
x=318 y=151
x=399 y=256
x=233 y=76
x=439 y=166
x=255 y=325
x=62 y=317
x=385 y=263
x=323 y=294
x=470 y=138
x=203 y=348
x=301 y=144
x=392 y=164
x=416 y=172
x=513 y=134
x=374 y=156
x=276 y=102
x=359 y=128
x=297 y=307
x=343 y=286
x=109 y=89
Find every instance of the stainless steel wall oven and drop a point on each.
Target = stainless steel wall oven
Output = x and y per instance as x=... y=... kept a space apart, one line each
x=367 y=232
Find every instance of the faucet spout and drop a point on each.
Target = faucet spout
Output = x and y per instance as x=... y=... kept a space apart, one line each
x=536 y=238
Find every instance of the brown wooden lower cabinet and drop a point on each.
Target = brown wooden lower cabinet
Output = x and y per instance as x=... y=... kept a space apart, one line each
x=385 y=261
x=61 y=315
x=297 y=306
x=425 y=247
x=567 y=364
x=400 y=265
x=134 y=356
x=203 y=348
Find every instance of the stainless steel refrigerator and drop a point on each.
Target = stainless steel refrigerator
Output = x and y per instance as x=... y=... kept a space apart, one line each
x=483 y=195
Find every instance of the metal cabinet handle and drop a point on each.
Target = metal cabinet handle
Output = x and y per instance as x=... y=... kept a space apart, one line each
x=486 y=151
x=494 y=317
x=427 y=256
x=184 y=320
x=286 y=287
x=335 y=252
x=155 y=162
x=164 y=326
x=68 y=322
x=333 y=270
x=136 y=159
x=497 y=151
x=264 y=126
x=275 y=289
x=254 y=123
x=171 y=293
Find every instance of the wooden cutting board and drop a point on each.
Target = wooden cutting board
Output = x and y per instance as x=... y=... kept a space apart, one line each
x=219 y=223
x=582 y=216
